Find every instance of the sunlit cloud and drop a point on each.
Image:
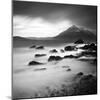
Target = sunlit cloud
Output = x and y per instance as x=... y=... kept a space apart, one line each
x=37 y=27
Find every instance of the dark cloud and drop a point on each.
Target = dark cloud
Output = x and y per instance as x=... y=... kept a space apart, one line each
x=85 y=16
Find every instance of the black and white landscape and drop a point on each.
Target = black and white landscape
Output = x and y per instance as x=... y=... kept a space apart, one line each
x=54 y=50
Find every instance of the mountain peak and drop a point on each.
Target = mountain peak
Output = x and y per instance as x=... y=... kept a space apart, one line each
x=73 y=33
x=73 y=28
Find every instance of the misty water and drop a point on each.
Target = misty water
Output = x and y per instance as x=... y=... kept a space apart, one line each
x=28 y=80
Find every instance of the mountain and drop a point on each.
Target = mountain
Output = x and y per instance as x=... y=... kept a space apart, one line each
x=27 y=42
x=70 y=35
x=73 y=33
x=21 y=41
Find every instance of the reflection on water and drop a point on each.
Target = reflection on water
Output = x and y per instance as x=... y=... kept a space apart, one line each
x=27 y=81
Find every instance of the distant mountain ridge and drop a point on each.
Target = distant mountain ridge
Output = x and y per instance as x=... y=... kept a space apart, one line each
x=70 y=35
x=74 y=33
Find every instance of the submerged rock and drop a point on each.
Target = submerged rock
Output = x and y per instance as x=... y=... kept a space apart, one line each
x=68 y=69
x=91 y=46
x=53 y=51
x=80 y=41
x=33 y=46
x=54 y=58
x=80 y=74
x=62 y=50
x=40 y=55
x=34 y=63
x=70 y=48
x=40 y=47
x=70 y=56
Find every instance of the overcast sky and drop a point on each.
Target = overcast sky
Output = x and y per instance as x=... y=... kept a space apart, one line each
x=34 y=19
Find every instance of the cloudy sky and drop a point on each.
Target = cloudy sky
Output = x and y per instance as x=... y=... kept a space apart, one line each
x=35 y=19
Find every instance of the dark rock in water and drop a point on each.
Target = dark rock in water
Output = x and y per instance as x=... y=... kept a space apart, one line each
x=80 y=74
x=80 y=41
x=87 y=77
x=68 y=69
x=40 y=55
x=40 y=47
x=54 y=58
x=88 y=53
x=62 y=50
x=69 y=48
x=70 y=56
x=34 y=46
x=91 y=46
x=34 y=63
x=53 y=51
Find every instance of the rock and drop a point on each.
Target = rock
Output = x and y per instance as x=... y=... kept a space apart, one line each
x=54 y=58
x=53 y=51
x=34 y=46
x=62 y=50
x=80 y=74
x=68 y=69
x=80 y=41
x=34 y=63
x=90 y=47
x=88 y=53
x=69 y=48
x=40 y=55
x=70 y=56
x=40 y=47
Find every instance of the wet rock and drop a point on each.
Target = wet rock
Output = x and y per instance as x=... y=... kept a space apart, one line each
x=70 y=48
x=80 y=74
x=70 y=56
x=40 y=47
x=33 y=46
x=62 y=50
x=53 y=51
x=88 y=53
x=80 y=41
x=90 y=47
x=68 y=69
x=34 y=63
x=54 y=58
x=40 y=55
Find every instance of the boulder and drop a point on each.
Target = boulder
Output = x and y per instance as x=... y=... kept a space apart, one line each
x=68 y=69
x=88 y=53
x=40 y=47
x=70 y=56
x=40 y=55
x=80 y=74
x=80 y=41
x=33 y=46
x=69 y=48
x=62 y=50
x=53 y=51
x=54 y=58
x=34 y=63
x=90 y=47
